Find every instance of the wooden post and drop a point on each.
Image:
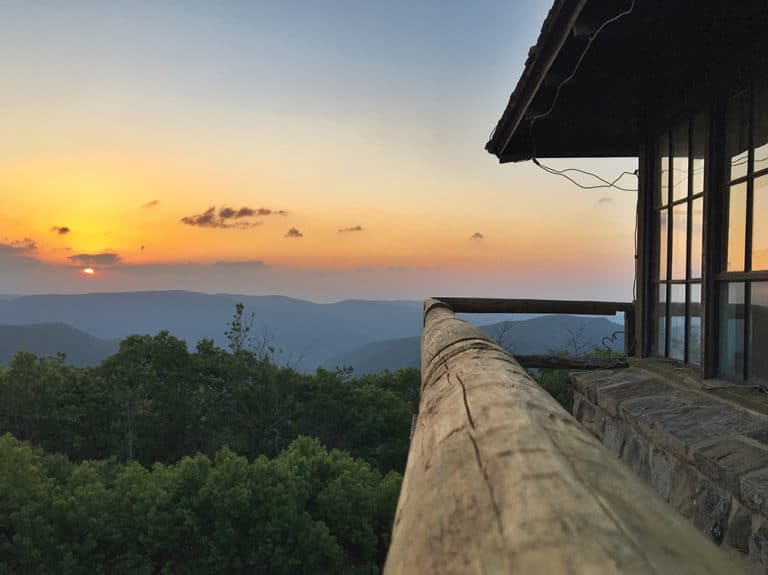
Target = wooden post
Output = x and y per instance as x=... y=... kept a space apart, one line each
x=630 y=333
x=500 y=479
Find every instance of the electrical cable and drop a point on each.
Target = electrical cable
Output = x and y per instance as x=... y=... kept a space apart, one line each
x=563 y=173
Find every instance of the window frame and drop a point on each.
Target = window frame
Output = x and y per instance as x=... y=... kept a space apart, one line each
x=746 y=275
x=668 y=205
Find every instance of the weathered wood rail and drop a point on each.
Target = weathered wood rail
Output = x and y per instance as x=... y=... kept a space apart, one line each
x=500 y=479
x=572 y=307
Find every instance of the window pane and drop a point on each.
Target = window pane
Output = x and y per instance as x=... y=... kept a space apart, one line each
x=677 y=322
x=761 y=127
x=737 y=218
x=760 y=225
x=662 y=161
x=661 y=319
x=680 y=161
x=697 y=224
x=732 y=331
x=737 y=136
x=663 y=244
x=758 y=362
x=699 y=152
x=679 y=240
x=694 y=325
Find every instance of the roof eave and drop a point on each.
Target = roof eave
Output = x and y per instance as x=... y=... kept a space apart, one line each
x=554 y=33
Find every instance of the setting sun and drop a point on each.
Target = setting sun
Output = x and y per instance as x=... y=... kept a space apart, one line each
x=89 y=271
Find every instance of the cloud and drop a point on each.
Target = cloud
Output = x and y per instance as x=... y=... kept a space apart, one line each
x=241 y=264
x=104 y=259
x=294 y=233
x=18 y=247
x=476 y=236
x=61 y=230
x=227 y=217
x=351 y=229
x=151 y=204
x=398 y=268
x=605 y=200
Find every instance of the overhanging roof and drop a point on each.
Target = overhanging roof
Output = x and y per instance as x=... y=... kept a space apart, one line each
x=661 y=61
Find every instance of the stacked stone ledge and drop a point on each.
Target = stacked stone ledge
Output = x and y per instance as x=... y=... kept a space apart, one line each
x=706 y=457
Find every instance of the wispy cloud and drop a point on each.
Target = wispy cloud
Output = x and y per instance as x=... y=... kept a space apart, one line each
x=351 y=229
x=476 y=236
x=61 y=230
x=605 y=200
x=294 y=233
x=229 y=218
x=17 y=247
x=241 y=264
x=151 y=204
x=104 y=259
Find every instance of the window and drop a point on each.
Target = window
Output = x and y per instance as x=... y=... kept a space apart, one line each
x=743 y=280
x=679 y=209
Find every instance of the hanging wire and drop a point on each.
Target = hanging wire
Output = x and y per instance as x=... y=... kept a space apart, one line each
x=611 y=339
x=605 y=183
x=564 y=173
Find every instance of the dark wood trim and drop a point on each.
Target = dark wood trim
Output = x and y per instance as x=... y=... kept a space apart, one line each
x=670 y=227
x=689 y=197
x=713 y=237
x=747 y=327
x=760 y=275
x=688 y=228
x=750 y=184
x=645 y=260
x=542 y=306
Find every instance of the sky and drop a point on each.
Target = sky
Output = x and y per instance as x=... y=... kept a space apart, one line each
x=324 y=150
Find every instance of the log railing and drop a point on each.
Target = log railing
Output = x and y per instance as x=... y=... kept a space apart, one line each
x=546 y=306
x=501 y=479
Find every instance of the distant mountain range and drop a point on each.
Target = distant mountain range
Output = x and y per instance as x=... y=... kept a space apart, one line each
x=50 y=338
x=369 y=335
x=539 y=335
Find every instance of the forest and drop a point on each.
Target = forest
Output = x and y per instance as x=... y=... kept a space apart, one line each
x=164 y=460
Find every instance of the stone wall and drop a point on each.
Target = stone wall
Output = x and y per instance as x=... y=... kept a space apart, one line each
x=708 y=458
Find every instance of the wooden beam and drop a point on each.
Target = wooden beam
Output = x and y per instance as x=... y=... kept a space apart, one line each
x=560 y=362
x=493 y=305
x=501 y=479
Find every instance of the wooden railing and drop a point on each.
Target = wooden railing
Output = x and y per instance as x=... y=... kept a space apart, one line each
x=501 y=479
x=551 y=306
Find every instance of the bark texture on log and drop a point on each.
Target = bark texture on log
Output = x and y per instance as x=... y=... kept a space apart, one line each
x=501 y=479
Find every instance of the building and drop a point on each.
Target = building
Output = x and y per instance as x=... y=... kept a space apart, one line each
x=683 y=86
x=500 y=478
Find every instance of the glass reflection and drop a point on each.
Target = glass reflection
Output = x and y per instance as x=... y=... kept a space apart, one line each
x=760 y=134
x=679 y=240
x=758 y=359
x=760 y=225
x=737 y=225
x=699 y=152
x=697 y=225
x=732 y=331
x=663 y=244
x=662 y=188
x=737 y=137
x=661 y=319
x=680 y=162
x=694 y=324
x=677 y=322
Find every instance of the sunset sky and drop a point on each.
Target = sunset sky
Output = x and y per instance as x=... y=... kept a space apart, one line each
x=322 y=150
